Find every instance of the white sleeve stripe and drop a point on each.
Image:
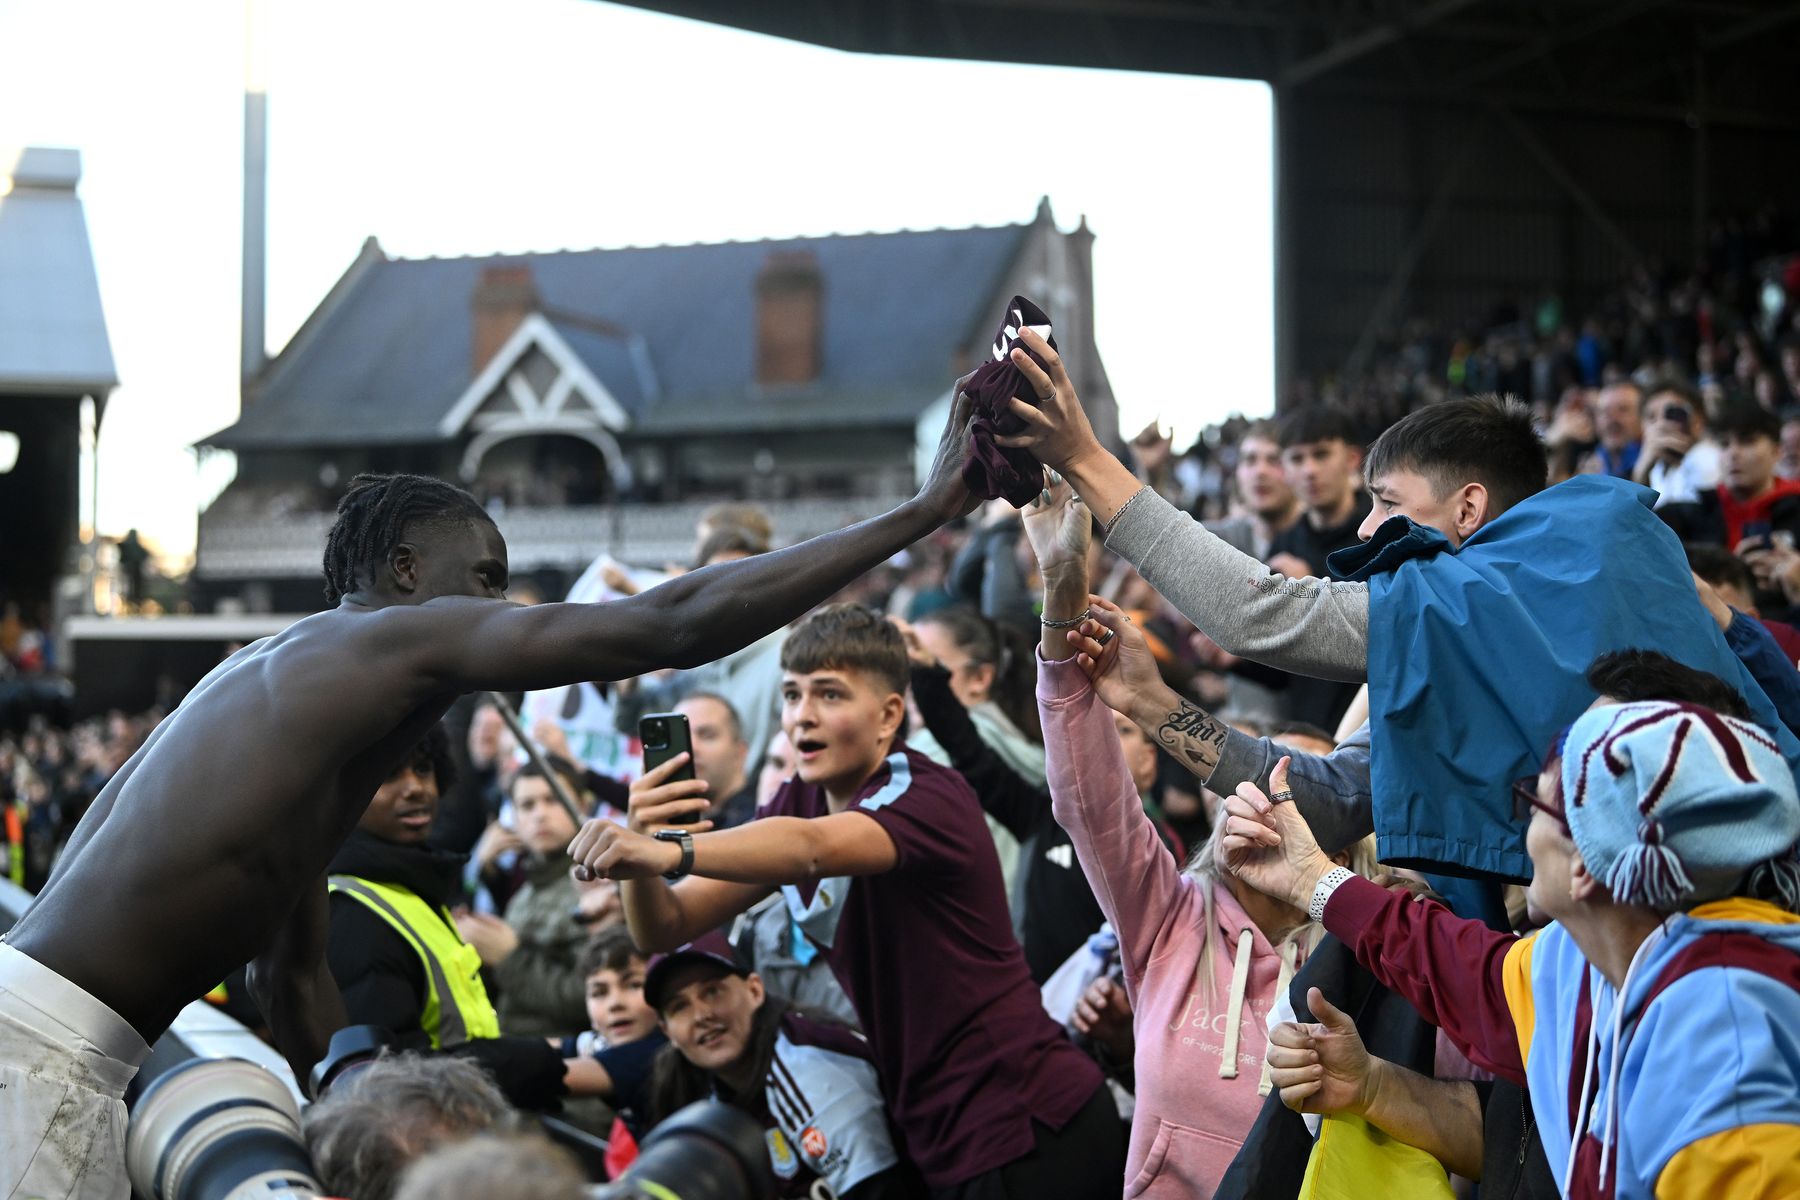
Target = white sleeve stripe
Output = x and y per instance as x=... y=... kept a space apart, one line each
x=899 y=780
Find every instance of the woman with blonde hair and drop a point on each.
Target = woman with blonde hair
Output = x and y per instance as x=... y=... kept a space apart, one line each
x=1204 y=956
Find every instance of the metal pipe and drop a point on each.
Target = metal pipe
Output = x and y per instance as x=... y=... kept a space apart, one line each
x=557 y=786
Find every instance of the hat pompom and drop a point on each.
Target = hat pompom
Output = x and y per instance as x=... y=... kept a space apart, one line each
x=1649 y=873
x=1779 y=879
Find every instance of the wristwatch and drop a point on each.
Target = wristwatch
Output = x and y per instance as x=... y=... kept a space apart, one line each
x=1328 y=883
x=685 y=840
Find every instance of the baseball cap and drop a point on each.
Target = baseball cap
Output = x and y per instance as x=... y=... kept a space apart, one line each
x=711 y=947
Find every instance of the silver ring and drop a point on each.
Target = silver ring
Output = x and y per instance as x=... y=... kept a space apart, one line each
x=1106 y=635
x=1285 y=794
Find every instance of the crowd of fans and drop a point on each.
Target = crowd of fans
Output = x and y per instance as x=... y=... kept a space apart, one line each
x=49 y=774
x=1728 y=328
x=1069 y=738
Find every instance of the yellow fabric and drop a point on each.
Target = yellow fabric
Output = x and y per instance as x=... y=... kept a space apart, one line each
x=1747 y=1163
x=434 y=939
x=1515 y=979
x=1740 y=908
x=1353 y=1160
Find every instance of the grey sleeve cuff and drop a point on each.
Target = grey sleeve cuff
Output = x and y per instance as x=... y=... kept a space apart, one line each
x=1141 y=524
x=1308 y=626
x=1331 y=790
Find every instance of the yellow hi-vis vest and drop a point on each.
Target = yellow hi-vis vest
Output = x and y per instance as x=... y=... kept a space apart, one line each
x=457 y=1009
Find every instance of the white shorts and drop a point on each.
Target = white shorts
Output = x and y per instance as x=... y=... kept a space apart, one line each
x=65 y=1060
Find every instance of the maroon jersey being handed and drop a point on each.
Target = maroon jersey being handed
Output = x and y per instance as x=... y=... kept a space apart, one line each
x=926 y=953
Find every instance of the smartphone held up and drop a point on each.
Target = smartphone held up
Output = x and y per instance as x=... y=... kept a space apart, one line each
x=665 y=735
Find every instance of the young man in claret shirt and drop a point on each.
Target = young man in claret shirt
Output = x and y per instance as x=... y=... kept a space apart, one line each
x=886 y=863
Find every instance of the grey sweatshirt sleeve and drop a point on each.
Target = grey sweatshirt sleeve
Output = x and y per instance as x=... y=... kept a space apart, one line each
x=1307 y=626
x=1332 y=790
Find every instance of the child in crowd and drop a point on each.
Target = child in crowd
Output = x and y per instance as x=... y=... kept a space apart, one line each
x=614 y=1059
x=534 y=951
x=811 y=1082
x=884 y=859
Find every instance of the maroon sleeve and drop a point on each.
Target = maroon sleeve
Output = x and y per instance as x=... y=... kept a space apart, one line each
x=1450 y=969
x=931 y=822
x=784 y=803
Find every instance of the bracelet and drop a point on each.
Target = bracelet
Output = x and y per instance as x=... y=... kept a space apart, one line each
x=1071 y=623
x=1106 y=532
x=1328 y=883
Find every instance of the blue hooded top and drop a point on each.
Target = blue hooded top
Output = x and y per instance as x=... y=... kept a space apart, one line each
x=1707 y=1073
x=1478 y=657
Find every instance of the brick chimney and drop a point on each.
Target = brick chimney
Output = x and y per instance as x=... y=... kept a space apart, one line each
x=503 y=298
x=789 y=316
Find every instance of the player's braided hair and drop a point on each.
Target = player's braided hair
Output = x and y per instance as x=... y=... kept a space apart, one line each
x=373 y=517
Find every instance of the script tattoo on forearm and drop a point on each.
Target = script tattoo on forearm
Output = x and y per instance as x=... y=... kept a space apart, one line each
x=1194 y=736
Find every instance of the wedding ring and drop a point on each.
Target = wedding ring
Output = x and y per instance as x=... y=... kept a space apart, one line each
x=1106 y=635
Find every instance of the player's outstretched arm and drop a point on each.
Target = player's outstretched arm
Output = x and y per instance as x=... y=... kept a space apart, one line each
x=693 y=619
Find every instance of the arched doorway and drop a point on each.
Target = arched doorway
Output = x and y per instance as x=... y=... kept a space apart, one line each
x=539 y=468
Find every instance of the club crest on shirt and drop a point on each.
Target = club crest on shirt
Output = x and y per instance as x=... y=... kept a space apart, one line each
x=781 y=1155
x=812 y=1140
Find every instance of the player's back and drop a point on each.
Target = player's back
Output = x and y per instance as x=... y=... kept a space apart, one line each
x=196 y=851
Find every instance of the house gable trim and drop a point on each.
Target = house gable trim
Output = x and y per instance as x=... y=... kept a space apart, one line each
x=573 y=378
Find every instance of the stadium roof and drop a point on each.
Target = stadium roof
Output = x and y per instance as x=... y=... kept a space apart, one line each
x=669 y=330
x=52 y=329
x=1434 y=158
x=1732 y=58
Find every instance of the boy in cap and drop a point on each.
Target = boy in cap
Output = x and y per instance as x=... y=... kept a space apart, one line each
x=1652 y=1020
x=811 y=1082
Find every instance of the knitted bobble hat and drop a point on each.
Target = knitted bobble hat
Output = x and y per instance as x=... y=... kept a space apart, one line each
x=1672 y=805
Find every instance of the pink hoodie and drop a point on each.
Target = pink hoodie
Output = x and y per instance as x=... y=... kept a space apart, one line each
x=1190 y=1118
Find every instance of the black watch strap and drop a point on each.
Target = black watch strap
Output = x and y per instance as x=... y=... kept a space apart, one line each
x=685 y=840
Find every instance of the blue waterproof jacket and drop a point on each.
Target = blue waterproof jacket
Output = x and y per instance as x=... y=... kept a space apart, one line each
x=1478 y=657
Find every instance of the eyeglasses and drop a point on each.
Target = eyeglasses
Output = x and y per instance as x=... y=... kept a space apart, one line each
x=1525 y=791
x=1525 y=801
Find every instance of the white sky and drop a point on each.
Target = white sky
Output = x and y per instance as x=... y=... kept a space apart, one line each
x=477 y=126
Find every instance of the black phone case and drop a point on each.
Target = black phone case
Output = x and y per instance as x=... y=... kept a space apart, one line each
x=680 y=740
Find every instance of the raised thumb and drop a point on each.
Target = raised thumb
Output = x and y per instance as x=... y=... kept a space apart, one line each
x=1278 y=778
x=1332 y=1018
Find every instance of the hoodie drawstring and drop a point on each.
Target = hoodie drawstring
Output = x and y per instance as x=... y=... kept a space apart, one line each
x=1587 y=1079
x=1608 y=1126
x=1290 y=955
x=1609 y=1131
x=1240 y=982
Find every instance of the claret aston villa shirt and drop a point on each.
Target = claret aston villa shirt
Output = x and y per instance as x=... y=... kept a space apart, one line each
x=926 y=952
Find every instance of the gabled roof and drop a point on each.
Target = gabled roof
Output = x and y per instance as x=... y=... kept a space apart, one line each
x=52 y=329
x=502 y=389
x=385 y=358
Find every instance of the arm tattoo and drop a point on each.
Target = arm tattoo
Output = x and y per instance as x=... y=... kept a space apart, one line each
x=1194 y=737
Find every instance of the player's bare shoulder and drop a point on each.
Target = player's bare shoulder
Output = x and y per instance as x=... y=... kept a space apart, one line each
x=342 y=667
